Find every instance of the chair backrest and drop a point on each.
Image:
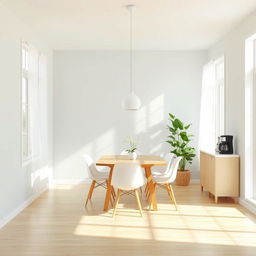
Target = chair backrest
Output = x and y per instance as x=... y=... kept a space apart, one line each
x=128 y=176
x=93 y=171
x=174 y=168
x=168 y=158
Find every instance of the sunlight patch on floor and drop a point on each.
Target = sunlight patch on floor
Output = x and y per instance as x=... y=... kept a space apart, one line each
x=191 y=224
x=63 y=187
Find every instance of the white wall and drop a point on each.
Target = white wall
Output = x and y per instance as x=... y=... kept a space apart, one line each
x=18 y=186
x=89 y=87
x=233 y=47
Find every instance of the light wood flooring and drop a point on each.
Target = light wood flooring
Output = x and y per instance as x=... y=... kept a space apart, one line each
x=58 y=224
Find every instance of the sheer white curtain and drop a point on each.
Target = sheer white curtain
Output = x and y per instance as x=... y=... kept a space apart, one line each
x=207 y=132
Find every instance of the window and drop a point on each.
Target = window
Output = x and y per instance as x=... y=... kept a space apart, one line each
x=26 y=144
x=250 y=119
x=219 y=88
x=212 y=105
x=29 y=103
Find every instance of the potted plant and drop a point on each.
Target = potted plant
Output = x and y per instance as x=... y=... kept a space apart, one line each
x=132 y=147
x=179 y=140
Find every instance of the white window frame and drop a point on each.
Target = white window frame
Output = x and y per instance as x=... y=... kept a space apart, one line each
x=250 y=129
x=212 y=116
x=30 y=103
x=220 y=96
x=25 y=106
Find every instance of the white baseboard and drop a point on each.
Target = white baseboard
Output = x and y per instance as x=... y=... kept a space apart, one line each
x=248 y=205
x=70 y=181
x=25 y=204
x=194 y=181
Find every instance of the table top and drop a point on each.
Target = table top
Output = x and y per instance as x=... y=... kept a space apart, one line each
x=143 y=160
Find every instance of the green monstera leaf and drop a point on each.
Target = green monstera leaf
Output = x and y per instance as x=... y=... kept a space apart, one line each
x=179 y=140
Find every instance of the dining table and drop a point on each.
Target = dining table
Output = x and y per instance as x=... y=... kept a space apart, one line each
x=145 y=161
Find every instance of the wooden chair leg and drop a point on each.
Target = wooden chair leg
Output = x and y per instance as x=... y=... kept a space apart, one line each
x=117 y=201
x=172 y=195
x=112 y=201
x=147 y=195
x=89 y=196
x=148 y=192
x=141 y=191
x=113 y=192
x=138 y=201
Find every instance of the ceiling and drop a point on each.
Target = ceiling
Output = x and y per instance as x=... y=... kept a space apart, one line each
x=104 y=24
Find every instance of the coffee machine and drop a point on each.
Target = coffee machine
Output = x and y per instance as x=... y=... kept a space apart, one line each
x=225 y=144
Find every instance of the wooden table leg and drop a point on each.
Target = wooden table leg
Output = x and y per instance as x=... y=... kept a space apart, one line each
x=108 y=190
x=151 y=187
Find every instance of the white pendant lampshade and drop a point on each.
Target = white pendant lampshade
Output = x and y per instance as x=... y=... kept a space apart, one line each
x=132 y=101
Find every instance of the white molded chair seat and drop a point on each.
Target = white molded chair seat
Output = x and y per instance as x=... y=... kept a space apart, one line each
x=128 y=177
x=169 y=177
x=162 y=170
x=103 y=169
x=160 y=178
x=94 y=172
x=99 y=178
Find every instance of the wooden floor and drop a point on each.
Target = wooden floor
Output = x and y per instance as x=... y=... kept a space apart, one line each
x=58 y=224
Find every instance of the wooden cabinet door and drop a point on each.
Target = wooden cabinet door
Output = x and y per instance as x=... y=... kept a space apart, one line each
x=227 y=177
x=207 y=166
x=203 y=168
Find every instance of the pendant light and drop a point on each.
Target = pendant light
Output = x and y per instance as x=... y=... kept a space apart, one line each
x=132 y=101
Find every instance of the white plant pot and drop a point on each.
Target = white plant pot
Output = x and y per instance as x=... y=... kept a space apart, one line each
x=133 y=156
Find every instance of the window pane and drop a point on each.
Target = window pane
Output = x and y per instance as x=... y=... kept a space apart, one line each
x=25 y=146
x=25 y=119
x=23 y=58
x=30 y=102
x=24 y=90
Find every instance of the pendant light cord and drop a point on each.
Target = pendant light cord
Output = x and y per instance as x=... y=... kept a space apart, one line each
x=131 y=50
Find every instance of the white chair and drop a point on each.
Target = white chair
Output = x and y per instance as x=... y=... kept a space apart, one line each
x=166 y=179
x=160 y=170
x=128 y=177
x=99 y=178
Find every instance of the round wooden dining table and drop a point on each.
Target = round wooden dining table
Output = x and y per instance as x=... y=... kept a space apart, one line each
x=146 y=162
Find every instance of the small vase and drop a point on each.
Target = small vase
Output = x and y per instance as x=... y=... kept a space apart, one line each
x=133 y=155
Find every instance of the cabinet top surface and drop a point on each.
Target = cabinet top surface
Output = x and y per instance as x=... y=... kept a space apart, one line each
x=219 y=155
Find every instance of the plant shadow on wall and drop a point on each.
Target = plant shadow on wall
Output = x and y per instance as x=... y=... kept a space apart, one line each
x=149 y=126
x=105 y=134
x=179 y=140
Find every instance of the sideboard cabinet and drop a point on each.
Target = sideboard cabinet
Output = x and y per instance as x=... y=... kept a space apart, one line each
x=219 y=175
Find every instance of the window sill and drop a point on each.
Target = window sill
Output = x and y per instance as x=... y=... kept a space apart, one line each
x=30 y=160
x=26 y=162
